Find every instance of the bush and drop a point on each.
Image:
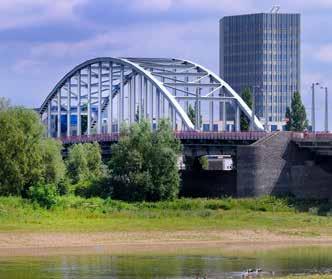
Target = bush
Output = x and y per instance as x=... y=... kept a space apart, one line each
x=45 y=195
x=84 y=162
x=97 y=187
x=143 y=165
x=63 y=187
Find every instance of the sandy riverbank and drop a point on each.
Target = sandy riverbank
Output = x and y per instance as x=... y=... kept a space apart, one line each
x=121 y=243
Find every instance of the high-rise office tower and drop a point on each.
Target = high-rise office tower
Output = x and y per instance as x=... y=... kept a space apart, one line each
x=262 y=52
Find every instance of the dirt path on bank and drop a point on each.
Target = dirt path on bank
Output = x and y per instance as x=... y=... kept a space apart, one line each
x=122 y=243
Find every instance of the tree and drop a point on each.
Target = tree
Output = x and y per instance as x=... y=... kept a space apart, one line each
x=84 y=162
x=20 y=153
x=53 y=167
x=192 y=115
x=288 y=117
x=297 y=115
x=247 y=98
x=143 y=165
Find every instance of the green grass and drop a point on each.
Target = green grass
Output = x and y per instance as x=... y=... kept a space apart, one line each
x=73 y=214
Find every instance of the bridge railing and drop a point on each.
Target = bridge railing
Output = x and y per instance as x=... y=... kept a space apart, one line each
x=186 y=135
x=183 y=135
x=312 y=136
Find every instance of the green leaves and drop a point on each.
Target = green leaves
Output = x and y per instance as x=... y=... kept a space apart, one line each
x=297 y=117
x=247 y=98
x=20 y=153
x=84 y=162
x=144 y=163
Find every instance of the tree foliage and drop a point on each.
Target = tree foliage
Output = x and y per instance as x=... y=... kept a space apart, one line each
x=288 y=117
x=84 y=162
x=20 y=154
x=26 y=158
x=54 y=169
x=192 y=115
x=247 y=98
x=144 y=163
x=297 y=117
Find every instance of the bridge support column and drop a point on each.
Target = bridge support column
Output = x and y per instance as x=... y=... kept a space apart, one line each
x=140 y=97
x=145 y=98
x=151 y=104
x=69 y=109
x=211 y=113
x=133 y=118
x=59 y=114
x=89 y=102
x=49 y=115
x=237 y=118
x=100 y=120
x=130 y=91
x=122 y=96
x=224 y=116
x=158 y=107
x=110 y=100
x=79 y=125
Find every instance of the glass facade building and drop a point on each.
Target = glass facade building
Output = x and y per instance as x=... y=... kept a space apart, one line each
x=262 y=52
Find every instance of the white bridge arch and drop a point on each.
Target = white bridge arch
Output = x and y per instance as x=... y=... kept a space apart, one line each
x=100 y=94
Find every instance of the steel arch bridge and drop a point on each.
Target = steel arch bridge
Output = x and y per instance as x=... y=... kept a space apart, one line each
x=97 y=96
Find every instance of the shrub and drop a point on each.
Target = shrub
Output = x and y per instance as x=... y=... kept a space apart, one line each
x=45 y=195
x=143 y=165
x=84 y=162
x=63 y=187
x=94 y=187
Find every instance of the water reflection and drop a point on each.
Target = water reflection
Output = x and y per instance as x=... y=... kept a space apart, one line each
x=281 y=261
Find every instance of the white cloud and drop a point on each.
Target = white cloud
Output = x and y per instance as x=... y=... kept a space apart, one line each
x=151 y=6
x=158 y=40
x=17 y=13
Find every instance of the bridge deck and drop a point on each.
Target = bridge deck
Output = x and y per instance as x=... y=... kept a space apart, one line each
x=114 y=137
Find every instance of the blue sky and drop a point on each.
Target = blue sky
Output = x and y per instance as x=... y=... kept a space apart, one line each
x=41 y=40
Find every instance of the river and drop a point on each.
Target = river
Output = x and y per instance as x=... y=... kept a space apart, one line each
x=216 y=265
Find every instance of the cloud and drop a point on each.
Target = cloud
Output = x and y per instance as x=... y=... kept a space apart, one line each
x=150 y=6
x=157 y=40
x=19 y=13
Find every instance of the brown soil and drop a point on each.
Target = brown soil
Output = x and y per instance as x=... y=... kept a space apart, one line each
x=115 y=243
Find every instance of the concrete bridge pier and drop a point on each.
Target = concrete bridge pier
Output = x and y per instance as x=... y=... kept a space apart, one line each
x=277 y=165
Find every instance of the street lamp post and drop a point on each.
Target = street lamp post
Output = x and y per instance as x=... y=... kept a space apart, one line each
x=313 y=105
x=326 y=110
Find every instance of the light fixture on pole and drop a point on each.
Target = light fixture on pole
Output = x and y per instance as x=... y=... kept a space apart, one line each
x=326 y=118
x=326 y=110
x=313 y=116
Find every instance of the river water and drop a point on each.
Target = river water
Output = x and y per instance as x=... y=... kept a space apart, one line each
x=217 y=265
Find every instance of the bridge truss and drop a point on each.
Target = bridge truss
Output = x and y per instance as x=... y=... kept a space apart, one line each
x=101 y=94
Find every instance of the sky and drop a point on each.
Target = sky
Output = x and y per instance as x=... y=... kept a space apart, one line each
x=41 y=40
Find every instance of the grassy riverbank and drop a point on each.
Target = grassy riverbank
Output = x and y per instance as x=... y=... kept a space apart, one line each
x=75 y=214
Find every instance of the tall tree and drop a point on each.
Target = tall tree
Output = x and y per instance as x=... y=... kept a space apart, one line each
x=84 y=162
x=144 y=163
x=297 y=115
x=192 y=115
x=247 y=98
x=20 y=154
